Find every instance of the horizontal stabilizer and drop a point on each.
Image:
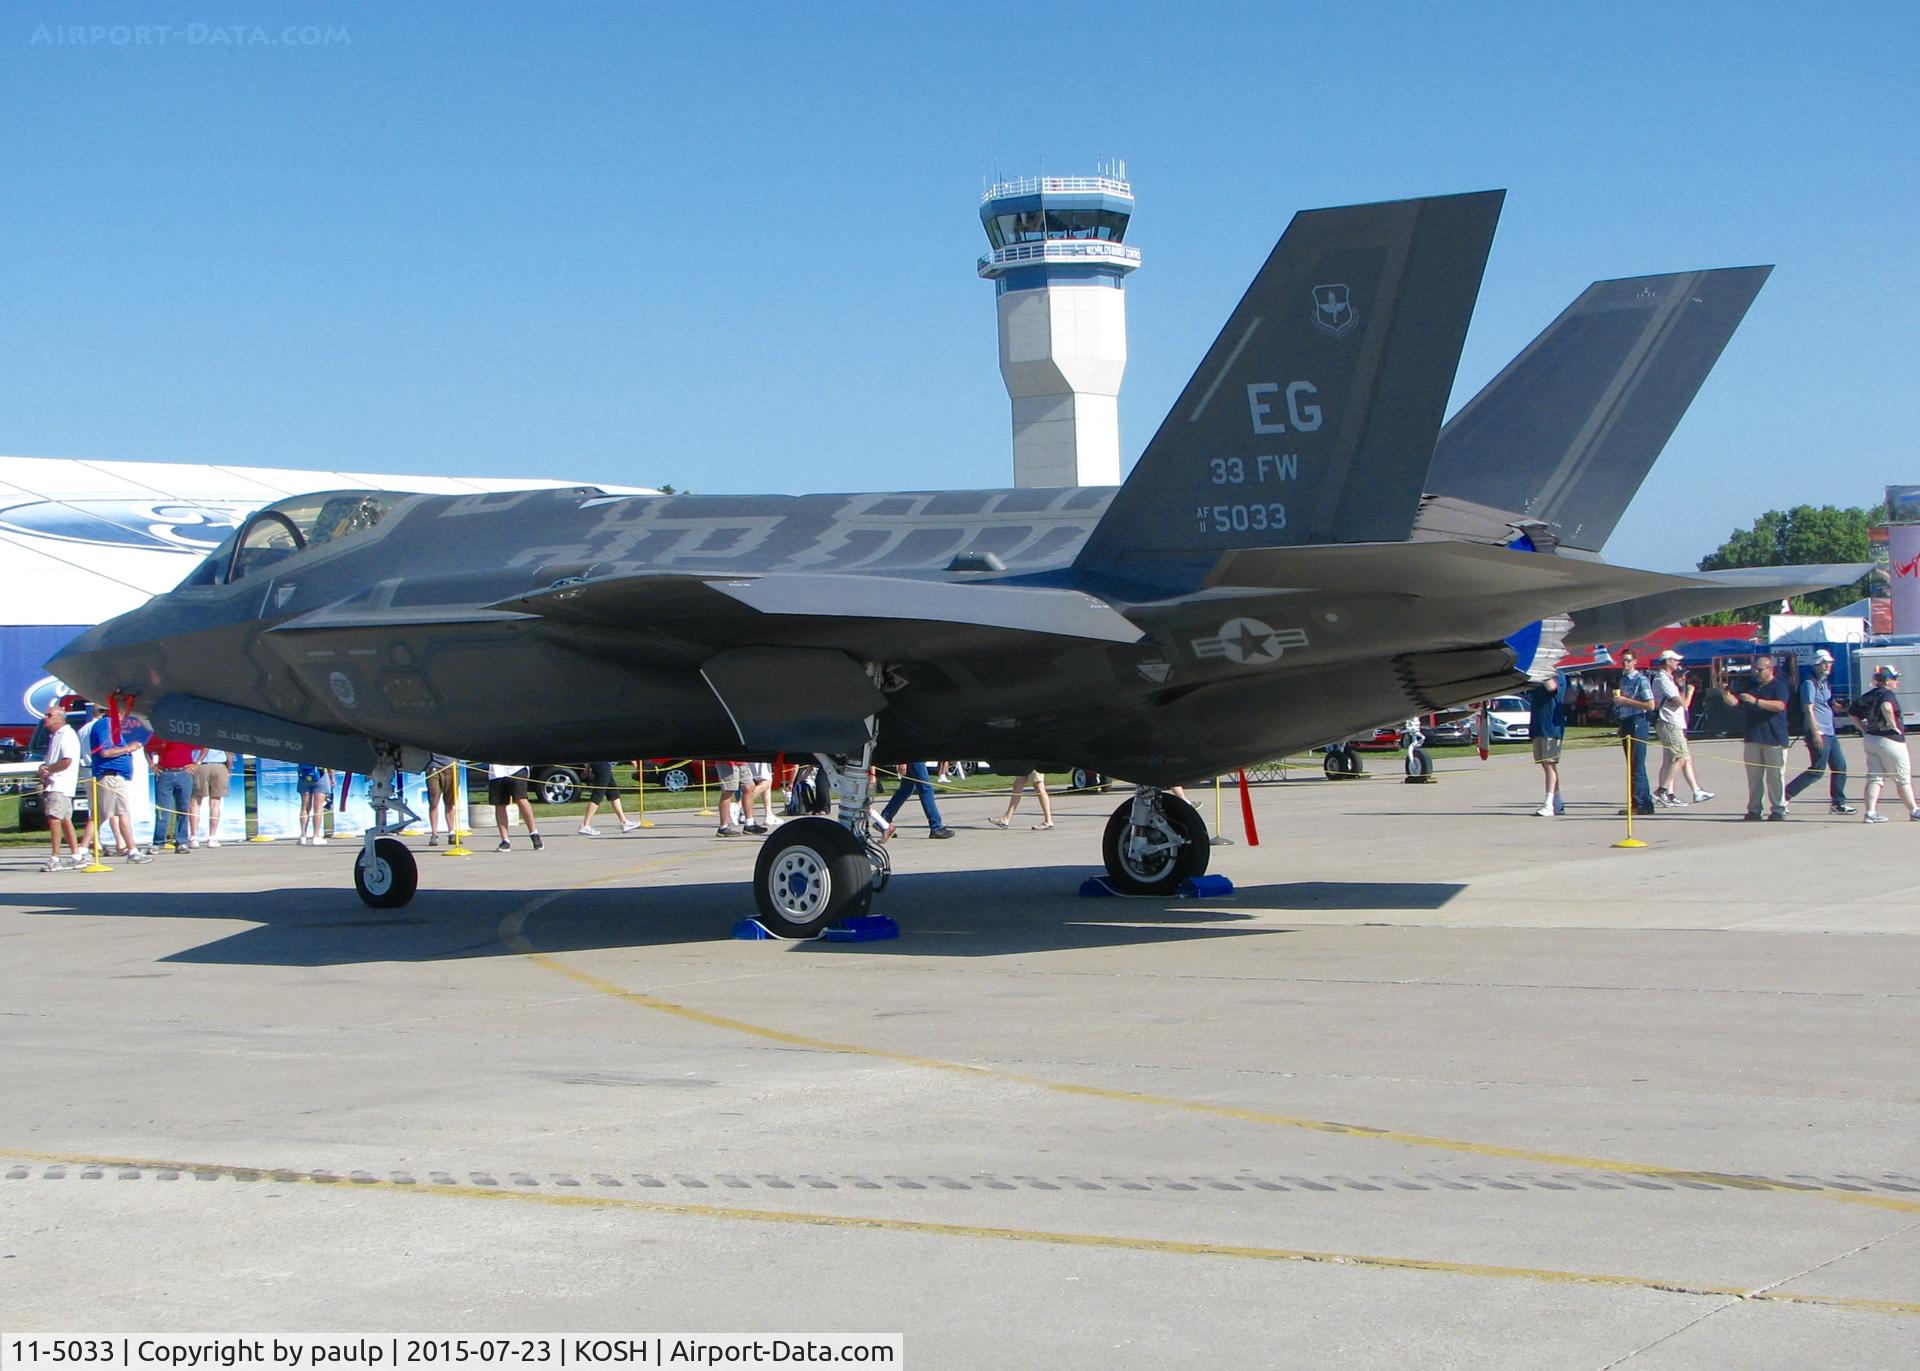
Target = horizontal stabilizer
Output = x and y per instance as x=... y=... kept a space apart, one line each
x=1444 y=570
x=1312 y=418
x=1569 y=429
x=1705 y=593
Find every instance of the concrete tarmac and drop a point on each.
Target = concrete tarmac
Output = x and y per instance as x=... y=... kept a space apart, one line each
x=1443 y=1084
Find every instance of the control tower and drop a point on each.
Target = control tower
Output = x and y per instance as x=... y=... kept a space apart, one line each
x=1059 y=268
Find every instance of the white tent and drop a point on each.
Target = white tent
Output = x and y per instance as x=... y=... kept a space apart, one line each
x=82 y=541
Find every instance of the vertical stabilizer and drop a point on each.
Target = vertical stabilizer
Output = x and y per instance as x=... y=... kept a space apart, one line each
x=1569 y=429
x=1312 y=418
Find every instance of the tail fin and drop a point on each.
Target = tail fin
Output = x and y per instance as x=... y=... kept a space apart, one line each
x=1313 y=416
x=1569 y=429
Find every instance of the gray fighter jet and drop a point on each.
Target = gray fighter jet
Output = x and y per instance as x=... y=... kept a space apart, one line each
x=1278 y=570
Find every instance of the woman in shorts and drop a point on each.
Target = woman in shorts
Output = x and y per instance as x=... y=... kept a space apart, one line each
x=1878 y=711
x=316 y=793
x=1039 y=784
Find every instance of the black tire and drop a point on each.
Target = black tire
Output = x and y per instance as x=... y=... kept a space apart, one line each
x=389 y=880
x=557 y=785
x=810 y=873
x=676 y=779
x=1419 y=764
x=1333 y=764
x=1157 y=873
x=1082 y=779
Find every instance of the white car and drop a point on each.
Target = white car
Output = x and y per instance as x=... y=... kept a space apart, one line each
x=1509 y=720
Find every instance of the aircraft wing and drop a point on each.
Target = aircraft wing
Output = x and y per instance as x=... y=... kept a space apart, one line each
x=899 y=607
x=789 y=672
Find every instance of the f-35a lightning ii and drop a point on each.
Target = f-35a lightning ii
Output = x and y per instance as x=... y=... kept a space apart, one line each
x=1277 y=571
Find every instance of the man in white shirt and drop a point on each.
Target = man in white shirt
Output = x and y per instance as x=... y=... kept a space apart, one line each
x=1672 y=697
x=507 y=785
x=59 y=776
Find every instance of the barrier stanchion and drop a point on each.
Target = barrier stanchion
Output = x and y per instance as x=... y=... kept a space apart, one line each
x=96 y=866
x=1219 y=838
x=640 y=780
x=1626 y=754
x=703 y=811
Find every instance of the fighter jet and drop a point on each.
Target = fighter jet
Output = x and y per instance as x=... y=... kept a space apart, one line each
x=1276 y=571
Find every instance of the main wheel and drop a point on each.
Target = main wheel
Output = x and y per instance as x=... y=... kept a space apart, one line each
x=1419 y=764
x=810 y=873
x=1155 y=861
x=388 y=879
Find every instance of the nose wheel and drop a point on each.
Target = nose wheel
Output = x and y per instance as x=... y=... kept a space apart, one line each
x=385 y=874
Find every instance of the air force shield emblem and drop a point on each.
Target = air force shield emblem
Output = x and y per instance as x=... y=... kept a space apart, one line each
x=1333 y=312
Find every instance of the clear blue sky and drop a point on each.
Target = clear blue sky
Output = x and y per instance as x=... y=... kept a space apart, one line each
x=732 y=248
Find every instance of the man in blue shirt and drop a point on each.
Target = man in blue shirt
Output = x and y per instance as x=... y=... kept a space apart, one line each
x=1633 y=712
x=113 y=778
x=1823 y=744
x=1762 y=703
x=1547 y=725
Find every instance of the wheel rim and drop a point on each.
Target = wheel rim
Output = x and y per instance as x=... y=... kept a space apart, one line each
x=1147 y=867
x=676 y=780
x=799 y=884
x=376 y=875
x=558 y=790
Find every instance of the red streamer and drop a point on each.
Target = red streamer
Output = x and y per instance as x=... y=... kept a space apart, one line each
x=1246 y=812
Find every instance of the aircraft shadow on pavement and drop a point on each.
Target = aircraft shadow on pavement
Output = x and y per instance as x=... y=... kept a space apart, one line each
x=942 y=914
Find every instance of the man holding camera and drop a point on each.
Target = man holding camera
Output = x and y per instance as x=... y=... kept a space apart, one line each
x=1762 y=703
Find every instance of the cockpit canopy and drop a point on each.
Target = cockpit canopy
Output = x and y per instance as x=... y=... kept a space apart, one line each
x=291 y=526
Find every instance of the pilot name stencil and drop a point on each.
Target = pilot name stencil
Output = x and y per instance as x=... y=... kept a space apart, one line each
x=1249 y=642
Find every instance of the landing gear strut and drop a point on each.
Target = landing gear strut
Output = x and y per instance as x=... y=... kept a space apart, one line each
x=1153 y=842
x=384 y=873
x=814 y=871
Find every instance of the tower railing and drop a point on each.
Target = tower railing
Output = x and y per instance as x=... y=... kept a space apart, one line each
x=1062 y=249
x=1038 y=185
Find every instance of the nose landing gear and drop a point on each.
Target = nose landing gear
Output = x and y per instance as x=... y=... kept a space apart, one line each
x=384 y=873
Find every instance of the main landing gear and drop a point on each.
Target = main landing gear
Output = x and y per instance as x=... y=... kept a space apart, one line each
x=1153 y=842
x=384 y=873
x=815 y=871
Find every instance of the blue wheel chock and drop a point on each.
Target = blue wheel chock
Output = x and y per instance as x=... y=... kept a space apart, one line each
x=1193 y=888
x=867 y=928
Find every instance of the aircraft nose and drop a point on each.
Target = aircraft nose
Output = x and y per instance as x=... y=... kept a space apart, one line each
x=105 y=660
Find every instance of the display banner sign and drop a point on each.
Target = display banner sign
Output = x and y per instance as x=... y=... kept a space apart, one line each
x=1903 y=555
x=276 y=798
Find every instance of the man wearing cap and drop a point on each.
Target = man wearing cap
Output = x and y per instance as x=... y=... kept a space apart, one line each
x=1672 y=697
x=1824 y=756
x=1886 y=733
x=1633 y=711
x=1762 y=703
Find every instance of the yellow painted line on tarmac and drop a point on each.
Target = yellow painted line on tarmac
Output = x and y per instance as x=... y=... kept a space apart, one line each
x=512 y=933
x=981 y=1232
